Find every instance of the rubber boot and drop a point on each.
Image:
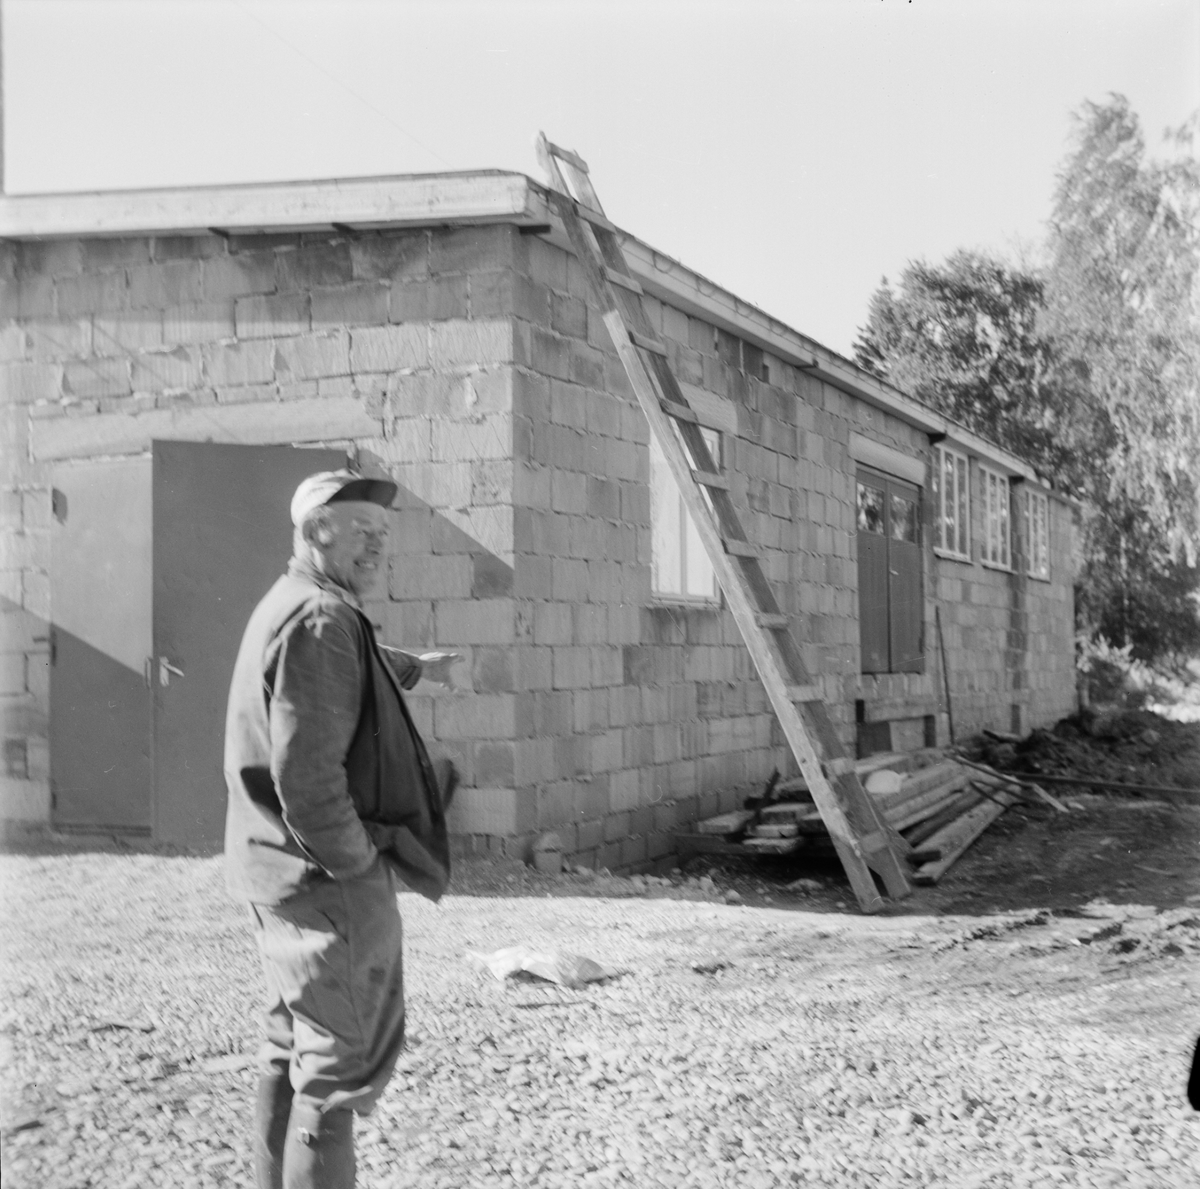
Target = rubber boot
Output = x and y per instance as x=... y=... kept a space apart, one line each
x=270 y=1128
x=319 y=1150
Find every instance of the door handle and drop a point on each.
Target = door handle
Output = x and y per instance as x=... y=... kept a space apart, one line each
x=165 y=669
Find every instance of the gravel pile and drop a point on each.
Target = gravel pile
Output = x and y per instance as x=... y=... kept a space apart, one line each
x=737 y=1047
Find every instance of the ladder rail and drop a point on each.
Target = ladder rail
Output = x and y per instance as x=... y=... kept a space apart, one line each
x=860 y=835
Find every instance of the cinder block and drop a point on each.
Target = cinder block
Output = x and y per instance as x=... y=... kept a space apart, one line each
x=572 y=667
x=476 y=249
x=494 y=763
x=474 y=716
x=94 y=378
x=388 y=348
x=468 y=441
x=313 y=266
x=362 y=304
x=493 y=293
x=239 y=363
x=616 y=827
x=165 y=371
x=434 y=299
x=492 y=670
x=492 y=577
x=475 y=621
x=491 y=482
x=568 y=316
x=568 y=404
x=188 y=247
x=552 y=623
x=492 y=811
x=624 y=791
x=276 y=316
x=127 y=333
x=198 y=324
x=12 y=673
x=89 y=293
x=312 y=356
x=27 y=383
x=53 y=339
x=569 y=580
x=113 y=253
x=160 y=286
x=50 y=257
x=547 y=264
x=550 y=354
x=391 y=256
x=456 y=342
x=428 y=577
x=227 y=277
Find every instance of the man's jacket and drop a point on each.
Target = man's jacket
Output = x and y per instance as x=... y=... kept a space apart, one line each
x=324 y=766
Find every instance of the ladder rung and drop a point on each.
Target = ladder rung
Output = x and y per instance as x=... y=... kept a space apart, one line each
x=710 y=479
x=804 y=693
x=876 y=840
x=595 y=218
x=741 y=548
x=839 y=766
x=647 y=344
x=770 y=619
x=679 y=412
x=567 y=156
x=619 y=278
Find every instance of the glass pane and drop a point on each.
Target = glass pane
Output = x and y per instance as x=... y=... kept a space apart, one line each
x=699 y=580
x=665 y=527
x=964 y=539
x=904 y=519
x=870 y=509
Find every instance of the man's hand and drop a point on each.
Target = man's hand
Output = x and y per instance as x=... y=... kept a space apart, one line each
x=436 y=666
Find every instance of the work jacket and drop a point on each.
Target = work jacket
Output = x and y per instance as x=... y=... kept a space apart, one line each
x=324 y=767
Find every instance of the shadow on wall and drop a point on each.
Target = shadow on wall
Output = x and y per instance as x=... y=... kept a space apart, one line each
x=24 y=714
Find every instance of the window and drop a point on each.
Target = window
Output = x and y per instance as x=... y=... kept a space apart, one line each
x=680 y=567
x=890 y=603
x=952 y=507
x=997 y=533
x=1037 y=534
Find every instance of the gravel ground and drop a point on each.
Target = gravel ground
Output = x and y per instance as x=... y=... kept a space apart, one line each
x=741 y=1046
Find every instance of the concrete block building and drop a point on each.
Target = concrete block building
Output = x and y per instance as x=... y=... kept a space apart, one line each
x=173 y=362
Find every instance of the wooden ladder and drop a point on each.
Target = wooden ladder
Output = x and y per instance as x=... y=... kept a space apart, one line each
x=864 y=841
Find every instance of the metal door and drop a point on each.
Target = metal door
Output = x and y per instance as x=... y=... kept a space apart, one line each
x=873 y=573
x=100 y=774
x=222 y=535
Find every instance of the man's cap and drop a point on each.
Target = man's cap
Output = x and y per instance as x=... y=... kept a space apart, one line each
x=331 y=487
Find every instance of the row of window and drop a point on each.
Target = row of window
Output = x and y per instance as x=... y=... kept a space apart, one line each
x=952 y=515
x=680 y=565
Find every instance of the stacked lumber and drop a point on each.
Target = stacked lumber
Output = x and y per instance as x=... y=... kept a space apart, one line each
x=940 y=811
x=936 y=811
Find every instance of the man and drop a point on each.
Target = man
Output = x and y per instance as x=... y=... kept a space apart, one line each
x=332 y=796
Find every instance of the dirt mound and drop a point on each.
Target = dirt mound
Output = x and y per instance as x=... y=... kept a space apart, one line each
x=1128 y=746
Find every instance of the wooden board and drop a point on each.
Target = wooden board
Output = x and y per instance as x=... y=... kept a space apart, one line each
x=957 y=837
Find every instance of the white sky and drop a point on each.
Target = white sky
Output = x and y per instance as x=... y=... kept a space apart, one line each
x=793 y=152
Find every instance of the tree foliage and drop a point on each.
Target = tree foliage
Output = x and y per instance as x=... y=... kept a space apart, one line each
x=1088 y=367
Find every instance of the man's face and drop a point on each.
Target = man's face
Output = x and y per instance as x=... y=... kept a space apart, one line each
x=357 y=553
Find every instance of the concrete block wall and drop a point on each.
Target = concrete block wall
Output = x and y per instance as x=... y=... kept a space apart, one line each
x=1009 y=638
x=395 y=346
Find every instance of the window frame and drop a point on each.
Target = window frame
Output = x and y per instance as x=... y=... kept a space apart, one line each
x=960 y=500
x=1037 y=546
x=996 y=548
x=714 y=439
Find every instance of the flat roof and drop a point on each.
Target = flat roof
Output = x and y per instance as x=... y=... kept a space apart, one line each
x=447 y=199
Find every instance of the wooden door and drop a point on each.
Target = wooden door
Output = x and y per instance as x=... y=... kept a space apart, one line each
x=222 y=535
x=100 y=737
x=891 y=615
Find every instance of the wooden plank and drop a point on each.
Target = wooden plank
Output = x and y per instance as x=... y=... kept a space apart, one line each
x=725 y=823
x=911 y=796
x=710 y=479
x=266 y=206
x=706 y=844
x=566 y=155
x=680 y=412
x=906 y=817
x=619 y=278
x=741 y=548
x=956 y=839
x=771 y=620
x=774 y=846
x=654 y=346
x=804 y=693
x=960 y=805
x=594 y=217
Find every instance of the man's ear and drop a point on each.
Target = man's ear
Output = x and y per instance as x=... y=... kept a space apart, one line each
x=318 y=531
